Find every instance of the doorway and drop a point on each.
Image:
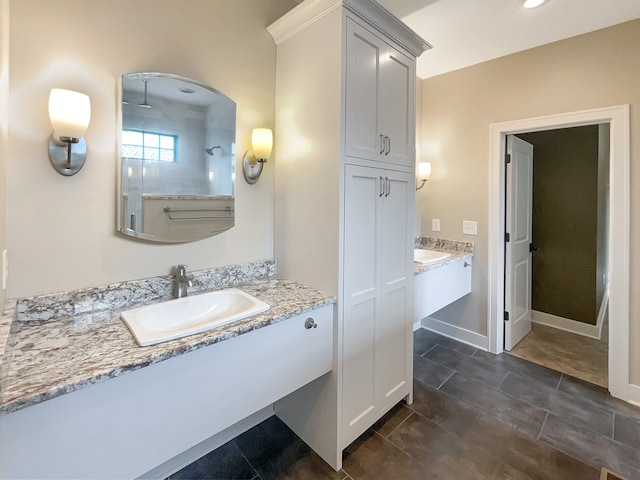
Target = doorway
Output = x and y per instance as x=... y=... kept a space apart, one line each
x=560 y=216
x=618 y=120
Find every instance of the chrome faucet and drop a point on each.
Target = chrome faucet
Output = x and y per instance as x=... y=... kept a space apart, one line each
x=182 y=282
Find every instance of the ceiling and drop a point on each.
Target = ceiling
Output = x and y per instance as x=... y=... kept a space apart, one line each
x=467 y=32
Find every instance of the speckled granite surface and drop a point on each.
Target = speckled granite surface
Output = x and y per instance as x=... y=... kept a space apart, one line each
x=48 y=358
x=460 y=251
x=442 y=245
x=91 y=300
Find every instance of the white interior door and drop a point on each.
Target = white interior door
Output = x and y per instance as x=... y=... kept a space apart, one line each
x=519 y=207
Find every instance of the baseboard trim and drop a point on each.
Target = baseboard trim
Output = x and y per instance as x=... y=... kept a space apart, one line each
x=178 y=462
x=456 y=333
x=634 y=394
x=573 y=326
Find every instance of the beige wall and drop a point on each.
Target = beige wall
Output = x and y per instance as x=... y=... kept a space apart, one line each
x=61 y=231
x=599 y=69
x=4 y=125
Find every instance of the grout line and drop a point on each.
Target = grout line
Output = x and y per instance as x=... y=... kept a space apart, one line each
x=432 y=347
x=613 y=429
x=258 y=476
x=453 y=372
x=560 y=381
x=400 y=424
x=502 y=381
x=544 y=422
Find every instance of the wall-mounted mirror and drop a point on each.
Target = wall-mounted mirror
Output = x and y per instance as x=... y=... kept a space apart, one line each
x=178 y=159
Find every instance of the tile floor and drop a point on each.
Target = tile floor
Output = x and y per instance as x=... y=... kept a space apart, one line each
x=475 y=416
x=582 y=357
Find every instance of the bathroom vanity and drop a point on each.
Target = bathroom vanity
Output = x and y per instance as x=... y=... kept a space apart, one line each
x=441 y=282
x=59 y=418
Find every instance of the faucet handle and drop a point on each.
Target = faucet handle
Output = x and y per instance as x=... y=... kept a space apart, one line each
x=181 y=270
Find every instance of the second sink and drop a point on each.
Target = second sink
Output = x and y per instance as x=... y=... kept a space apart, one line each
x=177 y=318
x=429 y=256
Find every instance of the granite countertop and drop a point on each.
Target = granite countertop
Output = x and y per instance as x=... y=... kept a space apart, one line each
x=42 y=360
x=419 y=268
x=460 y=251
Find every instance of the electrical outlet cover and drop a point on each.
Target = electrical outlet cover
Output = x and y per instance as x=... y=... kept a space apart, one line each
x=469 y=227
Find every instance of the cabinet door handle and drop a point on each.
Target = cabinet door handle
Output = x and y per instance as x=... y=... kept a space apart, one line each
x=388 y=145
x=387 y=188
x=310 y=323
x=383 y=143
x=382 y=187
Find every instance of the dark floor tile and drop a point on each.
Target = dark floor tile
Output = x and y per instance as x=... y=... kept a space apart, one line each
x=392 y=419
x=371 y=457
x=446 y=454
x=277 y=453
x=430 y=372
x=468 y=366
x=226 y=462
x=569 y=407
x=597 y=394
x=442 y=409
x=524 y=454
x=591 y=447
x=446 y=342
x=521 y=415
x=509 y=363
x=422 y=342
x=627 y=430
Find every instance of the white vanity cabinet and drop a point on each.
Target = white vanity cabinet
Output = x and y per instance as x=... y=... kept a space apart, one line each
x=438 y=287
x=376 y=328
x=166 y=415
x=379 y=99
x=345 y=154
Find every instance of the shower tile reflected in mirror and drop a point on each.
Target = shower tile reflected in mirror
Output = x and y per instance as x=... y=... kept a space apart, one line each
x=178 y=159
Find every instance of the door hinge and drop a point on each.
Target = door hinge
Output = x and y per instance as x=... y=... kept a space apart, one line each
x=532 y=248
x=506 y=316
x=507 y=158
x=507 y=237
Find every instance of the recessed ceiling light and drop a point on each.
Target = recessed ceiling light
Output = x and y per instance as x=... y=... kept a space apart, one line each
x=533 y=3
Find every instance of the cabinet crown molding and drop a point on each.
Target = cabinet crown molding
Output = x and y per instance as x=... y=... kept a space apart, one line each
x=310 y=11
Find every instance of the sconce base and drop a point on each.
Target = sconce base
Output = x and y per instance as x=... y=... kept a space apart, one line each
x=252 y=168
x=58 y=155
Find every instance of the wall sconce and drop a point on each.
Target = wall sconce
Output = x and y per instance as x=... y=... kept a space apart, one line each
x=424 y=171
x=69 y=113
x=261 y=144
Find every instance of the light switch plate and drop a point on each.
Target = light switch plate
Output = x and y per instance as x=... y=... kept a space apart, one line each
x=469 y=227
x=435 y=224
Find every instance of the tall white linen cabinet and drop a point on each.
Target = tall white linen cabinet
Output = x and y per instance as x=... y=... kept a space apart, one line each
x=345 y=188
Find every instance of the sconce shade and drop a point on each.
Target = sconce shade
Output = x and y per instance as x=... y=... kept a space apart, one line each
x=254 y=159
x=424 y=170
x=69 y=113
x=261 y=143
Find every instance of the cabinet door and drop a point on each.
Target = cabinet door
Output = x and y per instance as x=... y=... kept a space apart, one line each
x=362 y=133
x=394 y=327
x=396 y=104
x=361 y=299
x=378 y=280
x=379 y=99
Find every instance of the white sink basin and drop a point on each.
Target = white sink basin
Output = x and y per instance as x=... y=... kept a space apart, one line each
x=428 y=256
x=189 y=315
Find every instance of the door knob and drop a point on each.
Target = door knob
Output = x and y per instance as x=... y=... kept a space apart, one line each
x=310 y=323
